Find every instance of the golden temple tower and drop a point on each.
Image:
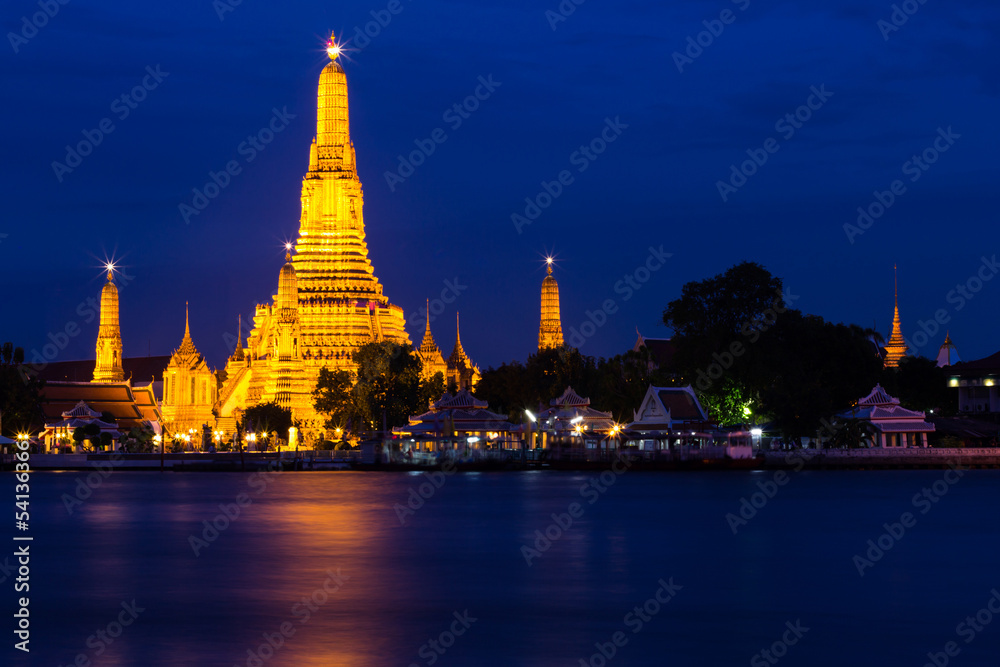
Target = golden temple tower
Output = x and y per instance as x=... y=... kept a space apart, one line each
x=108 y=367
x=461 y=371
x=342 y=302
x=895 y=349
x=190 y=387
x=329 y=302
x=429 y=353
x=550 y=328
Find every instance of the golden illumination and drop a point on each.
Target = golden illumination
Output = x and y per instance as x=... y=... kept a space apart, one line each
x=550 y=327
x=108 y=366
x=988 y=382
x=895 y=348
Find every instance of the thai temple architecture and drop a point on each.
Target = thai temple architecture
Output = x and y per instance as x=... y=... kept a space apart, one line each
x=429 y=353
x=895 y=349
x=894 y=425
x=550 y=328
x=69 y=404
x=109 y=337
x=460 y=420
x=329 y=302
x=461 y=372
x=569 y=416
x=190 y=388
x=947 y=353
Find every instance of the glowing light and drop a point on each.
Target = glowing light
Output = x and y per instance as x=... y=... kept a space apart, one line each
x=988 y=382
x=548 y=260
x=530 y=416
x=23 y=437
x=576 y=420
x=288 y=246
x=110 y=266
x=756 y=432
x=953 y=382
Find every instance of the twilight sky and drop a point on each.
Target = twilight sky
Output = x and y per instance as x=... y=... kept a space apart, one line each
x=885 y=96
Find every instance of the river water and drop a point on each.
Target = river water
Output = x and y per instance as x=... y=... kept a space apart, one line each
x=353 y=568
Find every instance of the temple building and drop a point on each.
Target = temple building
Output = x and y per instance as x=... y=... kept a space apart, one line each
x=430 y=354
x=550 y=327
x=894 y=425
x=947 y=353
x=329 y=302
x=108 y=367
x=570 y=416
x=895 y=349
x=190 y=387
x=462 y=419
x=461 y=373
x=68 y=403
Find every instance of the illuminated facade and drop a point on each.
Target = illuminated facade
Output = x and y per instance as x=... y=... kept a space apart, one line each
x=550 y=328
x=461 y=373
x=329 y=302
x=895 y=349
x=108 y=367
x=430 y=354
x=190 y=387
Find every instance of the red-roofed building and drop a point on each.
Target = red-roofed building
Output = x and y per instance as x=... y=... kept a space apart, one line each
x=130 y=406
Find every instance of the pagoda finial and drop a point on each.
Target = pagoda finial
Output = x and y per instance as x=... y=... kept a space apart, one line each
x=187 y=321
x=239 y=330
x=548 y=262
x=332 y=48
x=427 y=329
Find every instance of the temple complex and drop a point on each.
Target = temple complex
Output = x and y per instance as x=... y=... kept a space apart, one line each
x=329 y=302
x=895 y=349
x=550 y=328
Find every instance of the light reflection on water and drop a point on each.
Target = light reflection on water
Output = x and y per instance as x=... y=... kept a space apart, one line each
x=462 y=551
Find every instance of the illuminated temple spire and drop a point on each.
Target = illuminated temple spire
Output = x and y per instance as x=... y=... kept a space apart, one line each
x=895 y=349
x=461 y=373
x=108 y=367
x=333 y=272
x=550 y=328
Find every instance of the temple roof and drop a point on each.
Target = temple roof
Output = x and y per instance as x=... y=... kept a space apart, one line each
x=139 y=368
x=661 y=350
x=458 y=357
x=570 y=398
x=947 y=353
x=878 y=396
x=187 y=354
x=130 y=407
x=986 y=365
x=681 y=404
x=461 y=399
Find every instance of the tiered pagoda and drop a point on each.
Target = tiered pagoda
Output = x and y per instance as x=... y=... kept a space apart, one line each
x=550 y=327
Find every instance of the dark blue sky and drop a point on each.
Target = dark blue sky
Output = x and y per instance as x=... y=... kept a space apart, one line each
x=655 y=185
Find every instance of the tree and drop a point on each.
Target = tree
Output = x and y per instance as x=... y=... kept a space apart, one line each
x=266 y=418
x=334 y=397
x=19 y=392
x=853 y=433
x=388 y=386
x=920 y=384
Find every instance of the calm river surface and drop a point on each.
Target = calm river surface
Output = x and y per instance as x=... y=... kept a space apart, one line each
x=378 y=590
